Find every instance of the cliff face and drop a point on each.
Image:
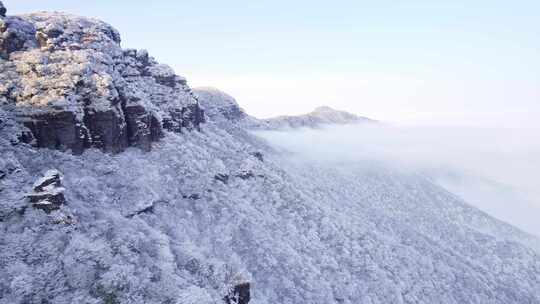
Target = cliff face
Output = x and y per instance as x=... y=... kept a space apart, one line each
x=68 y=81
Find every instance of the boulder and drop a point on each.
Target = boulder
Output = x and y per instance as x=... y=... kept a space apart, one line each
x=224 y=178
x=48 y=193
x=245 y=174
x=52 y=178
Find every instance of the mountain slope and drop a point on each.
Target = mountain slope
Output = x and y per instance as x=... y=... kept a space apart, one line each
x=209 y=211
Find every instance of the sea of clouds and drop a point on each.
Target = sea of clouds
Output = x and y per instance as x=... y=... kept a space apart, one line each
x=494 y=169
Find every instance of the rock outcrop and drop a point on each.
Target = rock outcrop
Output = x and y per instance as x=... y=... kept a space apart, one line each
x=48 y=193
x=240 y=294
x=224 y=178
x=258 y=155
x=3 y=10
x=68 y=81
x=219 y=105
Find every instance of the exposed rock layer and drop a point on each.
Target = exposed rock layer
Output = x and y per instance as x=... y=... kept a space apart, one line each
x=73 y=87
x=240 y=294
x=48 y=193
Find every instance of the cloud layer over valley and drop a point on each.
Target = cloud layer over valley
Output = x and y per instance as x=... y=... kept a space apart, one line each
x=494 y=169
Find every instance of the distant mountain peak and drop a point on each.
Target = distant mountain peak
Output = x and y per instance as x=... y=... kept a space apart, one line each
x=322 y=109
x=334 y=115
x=322 y=115
x=220 y=106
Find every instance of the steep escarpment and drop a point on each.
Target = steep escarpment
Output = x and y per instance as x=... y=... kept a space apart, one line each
x=68 y=81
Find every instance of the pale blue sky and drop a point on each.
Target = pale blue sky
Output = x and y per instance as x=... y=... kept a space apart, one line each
x=428 y=61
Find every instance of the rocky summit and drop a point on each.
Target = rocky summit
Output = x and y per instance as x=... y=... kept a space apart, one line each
x=68 y=81
x=202 y=210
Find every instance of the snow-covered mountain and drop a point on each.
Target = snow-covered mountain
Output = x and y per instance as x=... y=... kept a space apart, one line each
x=317 y=118
x=219 y=105
x=120 y=184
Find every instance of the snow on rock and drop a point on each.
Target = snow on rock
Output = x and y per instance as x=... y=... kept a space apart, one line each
x=52 y=179
x=239 y=294
x=219 y=105
x=164 y=74
x=48 y=193
x=68 y=81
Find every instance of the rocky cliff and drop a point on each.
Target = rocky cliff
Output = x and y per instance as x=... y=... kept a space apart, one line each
x=67 y=79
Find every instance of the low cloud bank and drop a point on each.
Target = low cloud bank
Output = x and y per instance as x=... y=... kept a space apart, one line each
x=495 y=169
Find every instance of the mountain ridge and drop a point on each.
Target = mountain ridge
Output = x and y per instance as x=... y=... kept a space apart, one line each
x=206 y=212
x=320 y=116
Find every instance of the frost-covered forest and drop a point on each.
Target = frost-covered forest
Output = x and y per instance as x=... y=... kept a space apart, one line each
x=162 y=194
